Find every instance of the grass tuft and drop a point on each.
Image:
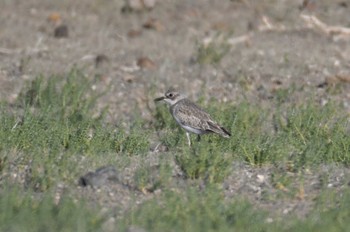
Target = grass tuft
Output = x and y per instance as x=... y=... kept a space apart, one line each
x=212 y=52
x=203 y=162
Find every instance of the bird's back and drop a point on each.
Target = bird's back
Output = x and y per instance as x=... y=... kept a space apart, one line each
x=195 y=119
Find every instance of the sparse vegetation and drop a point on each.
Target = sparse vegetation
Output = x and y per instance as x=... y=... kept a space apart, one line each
x=56 y=127
x=51 y=130
x=194 y=210
x=38 y=212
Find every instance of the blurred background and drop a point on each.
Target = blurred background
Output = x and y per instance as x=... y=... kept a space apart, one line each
x=226 y=50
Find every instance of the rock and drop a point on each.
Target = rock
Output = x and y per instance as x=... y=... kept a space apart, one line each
x=260 y=178
x=146 y=63
x=154 y=24
x=54 y=18
x=61 y=31
x=102 y=176
x=100 y=59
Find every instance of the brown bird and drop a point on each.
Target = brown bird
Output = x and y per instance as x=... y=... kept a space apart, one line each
x=190 y=116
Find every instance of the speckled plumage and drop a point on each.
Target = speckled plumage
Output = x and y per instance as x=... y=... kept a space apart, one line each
x=190 y=116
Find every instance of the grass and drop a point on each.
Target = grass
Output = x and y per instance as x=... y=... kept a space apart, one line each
x=193 y=210
x=56 y=127
x=201 y=162
x=33 y=212
x=53 y=134
x=325 y=218
x=212 y=52
x=150 y=178
x=196 y=210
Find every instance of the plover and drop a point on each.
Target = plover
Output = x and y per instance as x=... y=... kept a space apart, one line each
x=190 y=116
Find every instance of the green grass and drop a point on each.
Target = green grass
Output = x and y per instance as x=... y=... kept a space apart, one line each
x=33 y=212
x=194 y=210
x=331 y=213
x=55 y=128
x=53 y=134
x=150 y=178
x=198 y=210
x=203 y=162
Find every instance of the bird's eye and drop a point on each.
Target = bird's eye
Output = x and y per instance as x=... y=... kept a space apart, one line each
x=170 y=95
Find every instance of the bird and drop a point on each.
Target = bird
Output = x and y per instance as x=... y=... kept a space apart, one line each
x=191 y=117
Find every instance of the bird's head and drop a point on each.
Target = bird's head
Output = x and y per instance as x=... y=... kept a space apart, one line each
x=172 y=96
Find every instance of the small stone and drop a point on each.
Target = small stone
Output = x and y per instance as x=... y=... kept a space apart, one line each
x=277 y=82
x=128 y=78
x=146 y=63
x=343 y=4
x=100 y=59
x=260 y=178
x=154 y=24
x=61 y=31
x=54 y=18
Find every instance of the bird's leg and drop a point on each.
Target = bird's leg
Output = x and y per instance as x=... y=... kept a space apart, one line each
x=188 y=138
x=198 y=138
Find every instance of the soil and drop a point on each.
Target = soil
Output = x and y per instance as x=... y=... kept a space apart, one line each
x=136 y=54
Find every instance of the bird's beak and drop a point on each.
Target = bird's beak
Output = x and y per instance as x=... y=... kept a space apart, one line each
x=159 y=99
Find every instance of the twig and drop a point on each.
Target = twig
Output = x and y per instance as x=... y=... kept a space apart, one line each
x=268 y=26
x=239 y=39
x=266 y=22
x=313 y=21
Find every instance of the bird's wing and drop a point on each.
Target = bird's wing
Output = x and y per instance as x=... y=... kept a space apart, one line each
x=197 y=118
x=190 y=114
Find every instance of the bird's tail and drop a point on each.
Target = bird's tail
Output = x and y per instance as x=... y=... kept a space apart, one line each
x=225 y=133
x=216 y=128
